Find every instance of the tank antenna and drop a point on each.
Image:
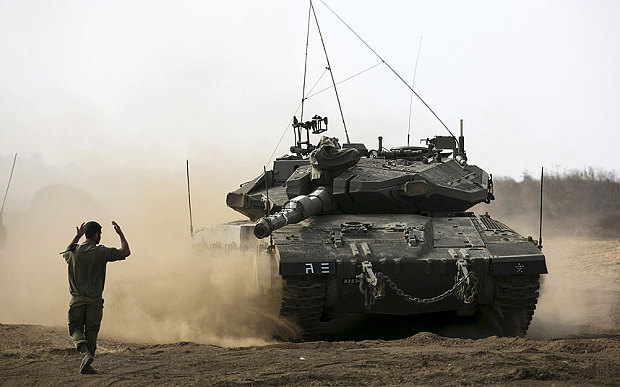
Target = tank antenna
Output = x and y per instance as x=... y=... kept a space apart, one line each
x=415 y=70
x=303 y=89
x=6 y=192
x=268 y=204
x=189 y=200
x=461 y=143
x=540 y=241
x=331 y=73
x=391 y=69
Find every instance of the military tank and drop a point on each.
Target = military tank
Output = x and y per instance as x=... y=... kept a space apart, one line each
x=387 y=231
x=351 y=229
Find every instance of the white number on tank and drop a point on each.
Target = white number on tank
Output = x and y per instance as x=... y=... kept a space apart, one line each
x=325 y=267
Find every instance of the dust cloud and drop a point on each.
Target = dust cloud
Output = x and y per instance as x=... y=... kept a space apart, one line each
x=163 y=292
x=580 y=295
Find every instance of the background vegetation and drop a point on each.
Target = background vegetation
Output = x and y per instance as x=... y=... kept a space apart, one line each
x=575 y=203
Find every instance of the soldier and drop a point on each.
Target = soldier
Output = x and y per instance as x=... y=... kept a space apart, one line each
x=87 y=266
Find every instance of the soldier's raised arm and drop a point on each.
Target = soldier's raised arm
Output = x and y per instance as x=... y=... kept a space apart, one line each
x=79 y=231
x=124 y=244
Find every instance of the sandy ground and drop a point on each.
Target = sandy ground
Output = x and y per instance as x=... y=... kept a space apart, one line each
x=574 y=339
x=42 y=355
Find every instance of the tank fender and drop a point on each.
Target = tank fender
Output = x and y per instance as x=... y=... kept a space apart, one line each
x=516 y=258
x=519 y=264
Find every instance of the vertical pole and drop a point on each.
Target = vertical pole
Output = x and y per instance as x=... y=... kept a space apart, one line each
x=415 y=70
x=8 y=184
x=267 y=205
x=542 y=175
x=462 y=141
x=331 y=73
x=303 y=89
x=189 y=199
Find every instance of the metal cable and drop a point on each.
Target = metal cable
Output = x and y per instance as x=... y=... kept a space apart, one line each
x=8 y=184
x=303 y=89
x=344 y=80
x=283 y=133
x=391 y=69
x=291 y=121
x=415 y=70
x=330 y=72
x=316 y=83
x=189 y=200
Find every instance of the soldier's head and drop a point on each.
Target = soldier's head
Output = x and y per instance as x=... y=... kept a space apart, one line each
x=92 y=231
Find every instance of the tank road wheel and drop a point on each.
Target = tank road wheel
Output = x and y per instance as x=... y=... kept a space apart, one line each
x=303 y=301
x=513 y=305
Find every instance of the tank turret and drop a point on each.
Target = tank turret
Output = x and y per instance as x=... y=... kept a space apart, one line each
x=430 y=179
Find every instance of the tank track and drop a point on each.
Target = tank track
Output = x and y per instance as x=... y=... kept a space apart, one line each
x=303 y=301
x=513 y=305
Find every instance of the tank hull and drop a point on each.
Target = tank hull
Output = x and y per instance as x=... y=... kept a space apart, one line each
x=419 y=255
x=418 y=260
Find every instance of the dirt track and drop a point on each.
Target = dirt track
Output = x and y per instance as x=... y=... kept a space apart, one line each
x=574 y=339
x=43 y=355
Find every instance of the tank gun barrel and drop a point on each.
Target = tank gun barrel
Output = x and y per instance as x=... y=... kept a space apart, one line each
x=294 y=211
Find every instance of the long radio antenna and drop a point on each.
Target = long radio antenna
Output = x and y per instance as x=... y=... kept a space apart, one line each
x=189 y=200
x=415 y=70
x=330 y=71
x=6 y=192
x=303 y=89
x=540 y=225
x=268 y=203
x=392 y=70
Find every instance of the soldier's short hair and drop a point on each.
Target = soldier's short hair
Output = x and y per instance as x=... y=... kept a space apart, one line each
x=91 y=228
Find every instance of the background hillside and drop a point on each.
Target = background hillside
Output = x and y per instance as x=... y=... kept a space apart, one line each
x=576 y=203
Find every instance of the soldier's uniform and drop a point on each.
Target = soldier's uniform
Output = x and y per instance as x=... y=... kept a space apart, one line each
x=87 y=267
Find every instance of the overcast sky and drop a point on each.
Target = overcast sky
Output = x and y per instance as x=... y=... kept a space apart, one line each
x=150 y=83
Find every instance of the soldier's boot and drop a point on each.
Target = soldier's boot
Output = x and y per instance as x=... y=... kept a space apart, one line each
x=87 y=359
x=89 y=370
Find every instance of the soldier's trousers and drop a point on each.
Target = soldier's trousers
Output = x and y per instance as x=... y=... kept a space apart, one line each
x=85 y=315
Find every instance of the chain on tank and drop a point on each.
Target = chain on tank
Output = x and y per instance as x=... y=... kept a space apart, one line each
x=465 y=287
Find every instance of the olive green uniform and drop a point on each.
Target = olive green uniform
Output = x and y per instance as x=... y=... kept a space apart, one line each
x=86 y=269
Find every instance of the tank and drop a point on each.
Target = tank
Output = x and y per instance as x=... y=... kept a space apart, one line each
x=356 y=230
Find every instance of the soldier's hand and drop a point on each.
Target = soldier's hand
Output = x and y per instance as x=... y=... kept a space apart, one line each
x=79 y=231
x=117 y=228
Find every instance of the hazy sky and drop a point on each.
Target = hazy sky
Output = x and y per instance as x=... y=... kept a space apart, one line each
x=149 y=83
